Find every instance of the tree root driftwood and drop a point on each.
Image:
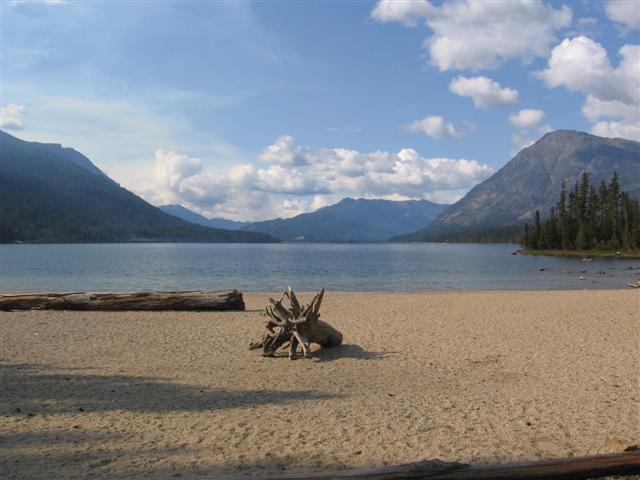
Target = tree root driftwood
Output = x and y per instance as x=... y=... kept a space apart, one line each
x=295 y=326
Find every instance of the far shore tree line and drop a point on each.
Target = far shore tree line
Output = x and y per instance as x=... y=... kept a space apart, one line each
x=588 y=218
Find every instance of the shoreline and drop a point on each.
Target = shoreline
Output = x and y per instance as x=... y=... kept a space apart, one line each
x=462 y=376
x=634 y=255
x=583 y=288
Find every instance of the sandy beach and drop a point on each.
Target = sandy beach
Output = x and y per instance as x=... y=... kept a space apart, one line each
x=483 y=377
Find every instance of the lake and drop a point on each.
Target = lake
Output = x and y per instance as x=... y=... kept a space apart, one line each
x=251 y=267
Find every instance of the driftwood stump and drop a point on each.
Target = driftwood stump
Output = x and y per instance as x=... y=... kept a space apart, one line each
x=296 y=326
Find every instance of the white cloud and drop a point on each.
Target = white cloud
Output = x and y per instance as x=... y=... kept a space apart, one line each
x=172 y=168
x=625 y=12
x=321 y=201
x=617 y=130
x=613 y=118
x=474 y=35
x=484 y=92
x=247 y=191
x=436 y=127
x=527 y=121
x=594 y=109
x=284 y=152
x=408 y=12
x=582 y=65
x=526 y=118
x=11 y=116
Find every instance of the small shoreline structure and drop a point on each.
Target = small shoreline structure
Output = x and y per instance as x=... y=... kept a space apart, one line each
x=114 y=302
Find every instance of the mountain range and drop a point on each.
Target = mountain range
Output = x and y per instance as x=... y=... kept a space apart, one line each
x=193 y=217
x=353 y=220
x=53 y=194
x=349 y=220
x=532 y=181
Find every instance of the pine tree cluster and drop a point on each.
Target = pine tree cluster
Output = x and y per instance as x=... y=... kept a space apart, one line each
x=588 y=219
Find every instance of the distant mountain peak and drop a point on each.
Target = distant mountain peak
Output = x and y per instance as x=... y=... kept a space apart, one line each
x=532 y=179
x=353 y=220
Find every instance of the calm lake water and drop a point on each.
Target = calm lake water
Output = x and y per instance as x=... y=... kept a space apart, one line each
x=122 y=267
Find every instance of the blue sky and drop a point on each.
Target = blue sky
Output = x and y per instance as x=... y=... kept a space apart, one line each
x=251 y=110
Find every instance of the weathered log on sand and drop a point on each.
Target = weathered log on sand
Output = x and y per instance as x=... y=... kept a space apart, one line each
x=115 y=302
x=295 y=326
x=626 y=463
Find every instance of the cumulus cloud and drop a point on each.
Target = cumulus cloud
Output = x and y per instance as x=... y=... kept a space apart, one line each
x=527 y=121
x=613 y=118
x=526 y=118
x=581 y=64
x=247 y=191
x=472 y=35
x=484 y=92
x=408 y=12
x=172 y=168
x=436 y=127
x=284 y=152
x=624 y=12
x=11 y=116
x=613 y=93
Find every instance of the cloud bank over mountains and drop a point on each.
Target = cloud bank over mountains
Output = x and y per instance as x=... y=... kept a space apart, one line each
x=463 y=82
x=295 y=179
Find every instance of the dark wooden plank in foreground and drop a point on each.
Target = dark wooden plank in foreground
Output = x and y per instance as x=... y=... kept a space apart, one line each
x=626 y=463
x=116 y=302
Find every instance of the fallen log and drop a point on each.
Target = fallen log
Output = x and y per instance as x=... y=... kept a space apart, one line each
x=295 y=326
x=115 y=302
x=574 y=468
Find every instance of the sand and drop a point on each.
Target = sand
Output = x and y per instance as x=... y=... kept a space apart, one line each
x=458 y=376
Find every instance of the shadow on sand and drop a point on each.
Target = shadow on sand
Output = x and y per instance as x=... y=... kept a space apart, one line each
x=350 y=351
x=34 y=389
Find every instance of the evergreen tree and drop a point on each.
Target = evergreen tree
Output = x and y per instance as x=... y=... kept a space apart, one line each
x=537 y=232
x=586 y=218
x=581 y=238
